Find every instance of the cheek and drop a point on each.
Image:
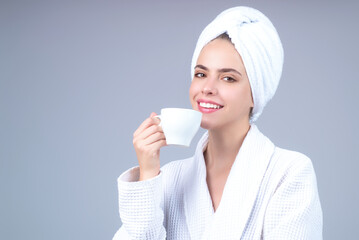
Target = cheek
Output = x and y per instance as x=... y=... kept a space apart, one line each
x=193 y=90
x=246 y=99
x=248 y=94
x=241 y=99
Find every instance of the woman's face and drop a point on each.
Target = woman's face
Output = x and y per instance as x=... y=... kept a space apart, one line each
x=220 y=87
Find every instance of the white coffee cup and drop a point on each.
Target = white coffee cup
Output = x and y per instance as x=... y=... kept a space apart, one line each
x=179 y=125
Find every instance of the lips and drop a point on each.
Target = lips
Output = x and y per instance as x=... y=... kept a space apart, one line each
x=206 y=106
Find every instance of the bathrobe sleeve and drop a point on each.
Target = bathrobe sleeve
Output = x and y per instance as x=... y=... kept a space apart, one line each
x=141 y=207
x=294 y=211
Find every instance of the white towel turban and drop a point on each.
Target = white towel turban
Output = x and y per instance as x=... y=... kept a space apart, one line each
x=258 y=43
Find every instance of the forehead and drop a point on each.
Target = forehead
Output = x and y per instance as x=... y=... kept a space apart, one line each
x=220 y=53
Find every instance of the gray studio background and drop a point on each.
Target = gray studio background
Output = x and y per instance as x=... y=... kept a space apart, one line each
x=78 y=77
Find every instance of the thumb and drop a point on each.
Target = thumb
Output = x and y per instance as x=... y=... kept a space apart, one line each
x=154 y=118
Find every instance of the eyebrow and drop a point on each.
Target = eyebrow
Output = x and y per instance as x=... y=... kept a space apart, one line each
x=221 y=70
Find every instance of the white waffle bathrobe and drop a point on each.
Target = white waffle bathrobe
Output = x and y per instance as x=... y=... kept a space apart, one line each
x=270 y=193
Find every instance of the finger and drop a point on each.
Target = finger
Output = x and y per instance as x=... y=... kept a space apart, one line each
x=156 y=120
x=159 y=144
x=148 y=132
x=145 y=124
x=154 y=138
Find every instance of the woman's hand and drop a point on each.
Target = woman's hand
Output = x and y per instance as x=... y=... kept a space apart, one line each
x=147 y=140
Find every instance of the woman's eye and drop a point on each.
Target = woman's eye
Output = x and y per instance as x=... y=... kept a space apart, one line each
x=199 y=75
x=229 y=79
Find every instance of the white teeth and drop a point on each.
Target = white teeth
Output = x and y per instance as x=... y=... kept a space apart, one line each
x=209 y=105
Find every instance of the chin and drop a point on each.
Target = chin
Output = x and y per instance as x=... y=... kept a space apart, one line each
x=204 y=124
x=207 y=125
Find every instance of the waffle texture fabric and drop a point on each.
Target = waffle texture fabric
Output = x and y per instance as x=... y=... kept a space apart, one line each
x=257 y=42
x=270 y=194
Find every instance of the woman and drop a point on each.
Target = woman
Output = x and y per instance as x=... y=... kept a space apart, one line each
x=238 y=185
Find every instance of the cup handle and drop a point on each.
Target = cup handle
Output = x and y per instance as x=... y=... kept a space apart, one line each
x=159 y=117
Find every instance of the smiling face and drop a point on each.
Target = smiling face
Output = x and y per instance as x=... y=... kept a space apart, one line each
x=220 y=87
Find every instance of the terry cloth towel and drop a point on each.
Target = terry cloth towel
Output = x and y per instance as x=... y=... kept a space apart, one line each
x=258 y=43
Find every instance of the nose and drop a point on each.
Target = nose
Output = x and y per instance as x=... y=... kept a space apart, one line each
x=210 y=87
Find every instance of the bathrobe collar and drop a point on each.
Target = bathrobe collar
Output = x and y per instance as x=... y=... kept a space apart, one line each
x=239 y=193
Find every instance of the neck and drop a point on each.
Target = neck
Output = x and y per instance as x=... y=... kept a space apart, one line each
x=223 y=146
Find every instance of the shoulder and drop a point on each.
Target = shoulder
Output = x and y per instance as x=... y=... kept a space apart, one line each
x=294 y=206
x=291 y=160
x=286 y=165
x=293 y=168
x=174 y=170
x=175 y=165
x=280 y=156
